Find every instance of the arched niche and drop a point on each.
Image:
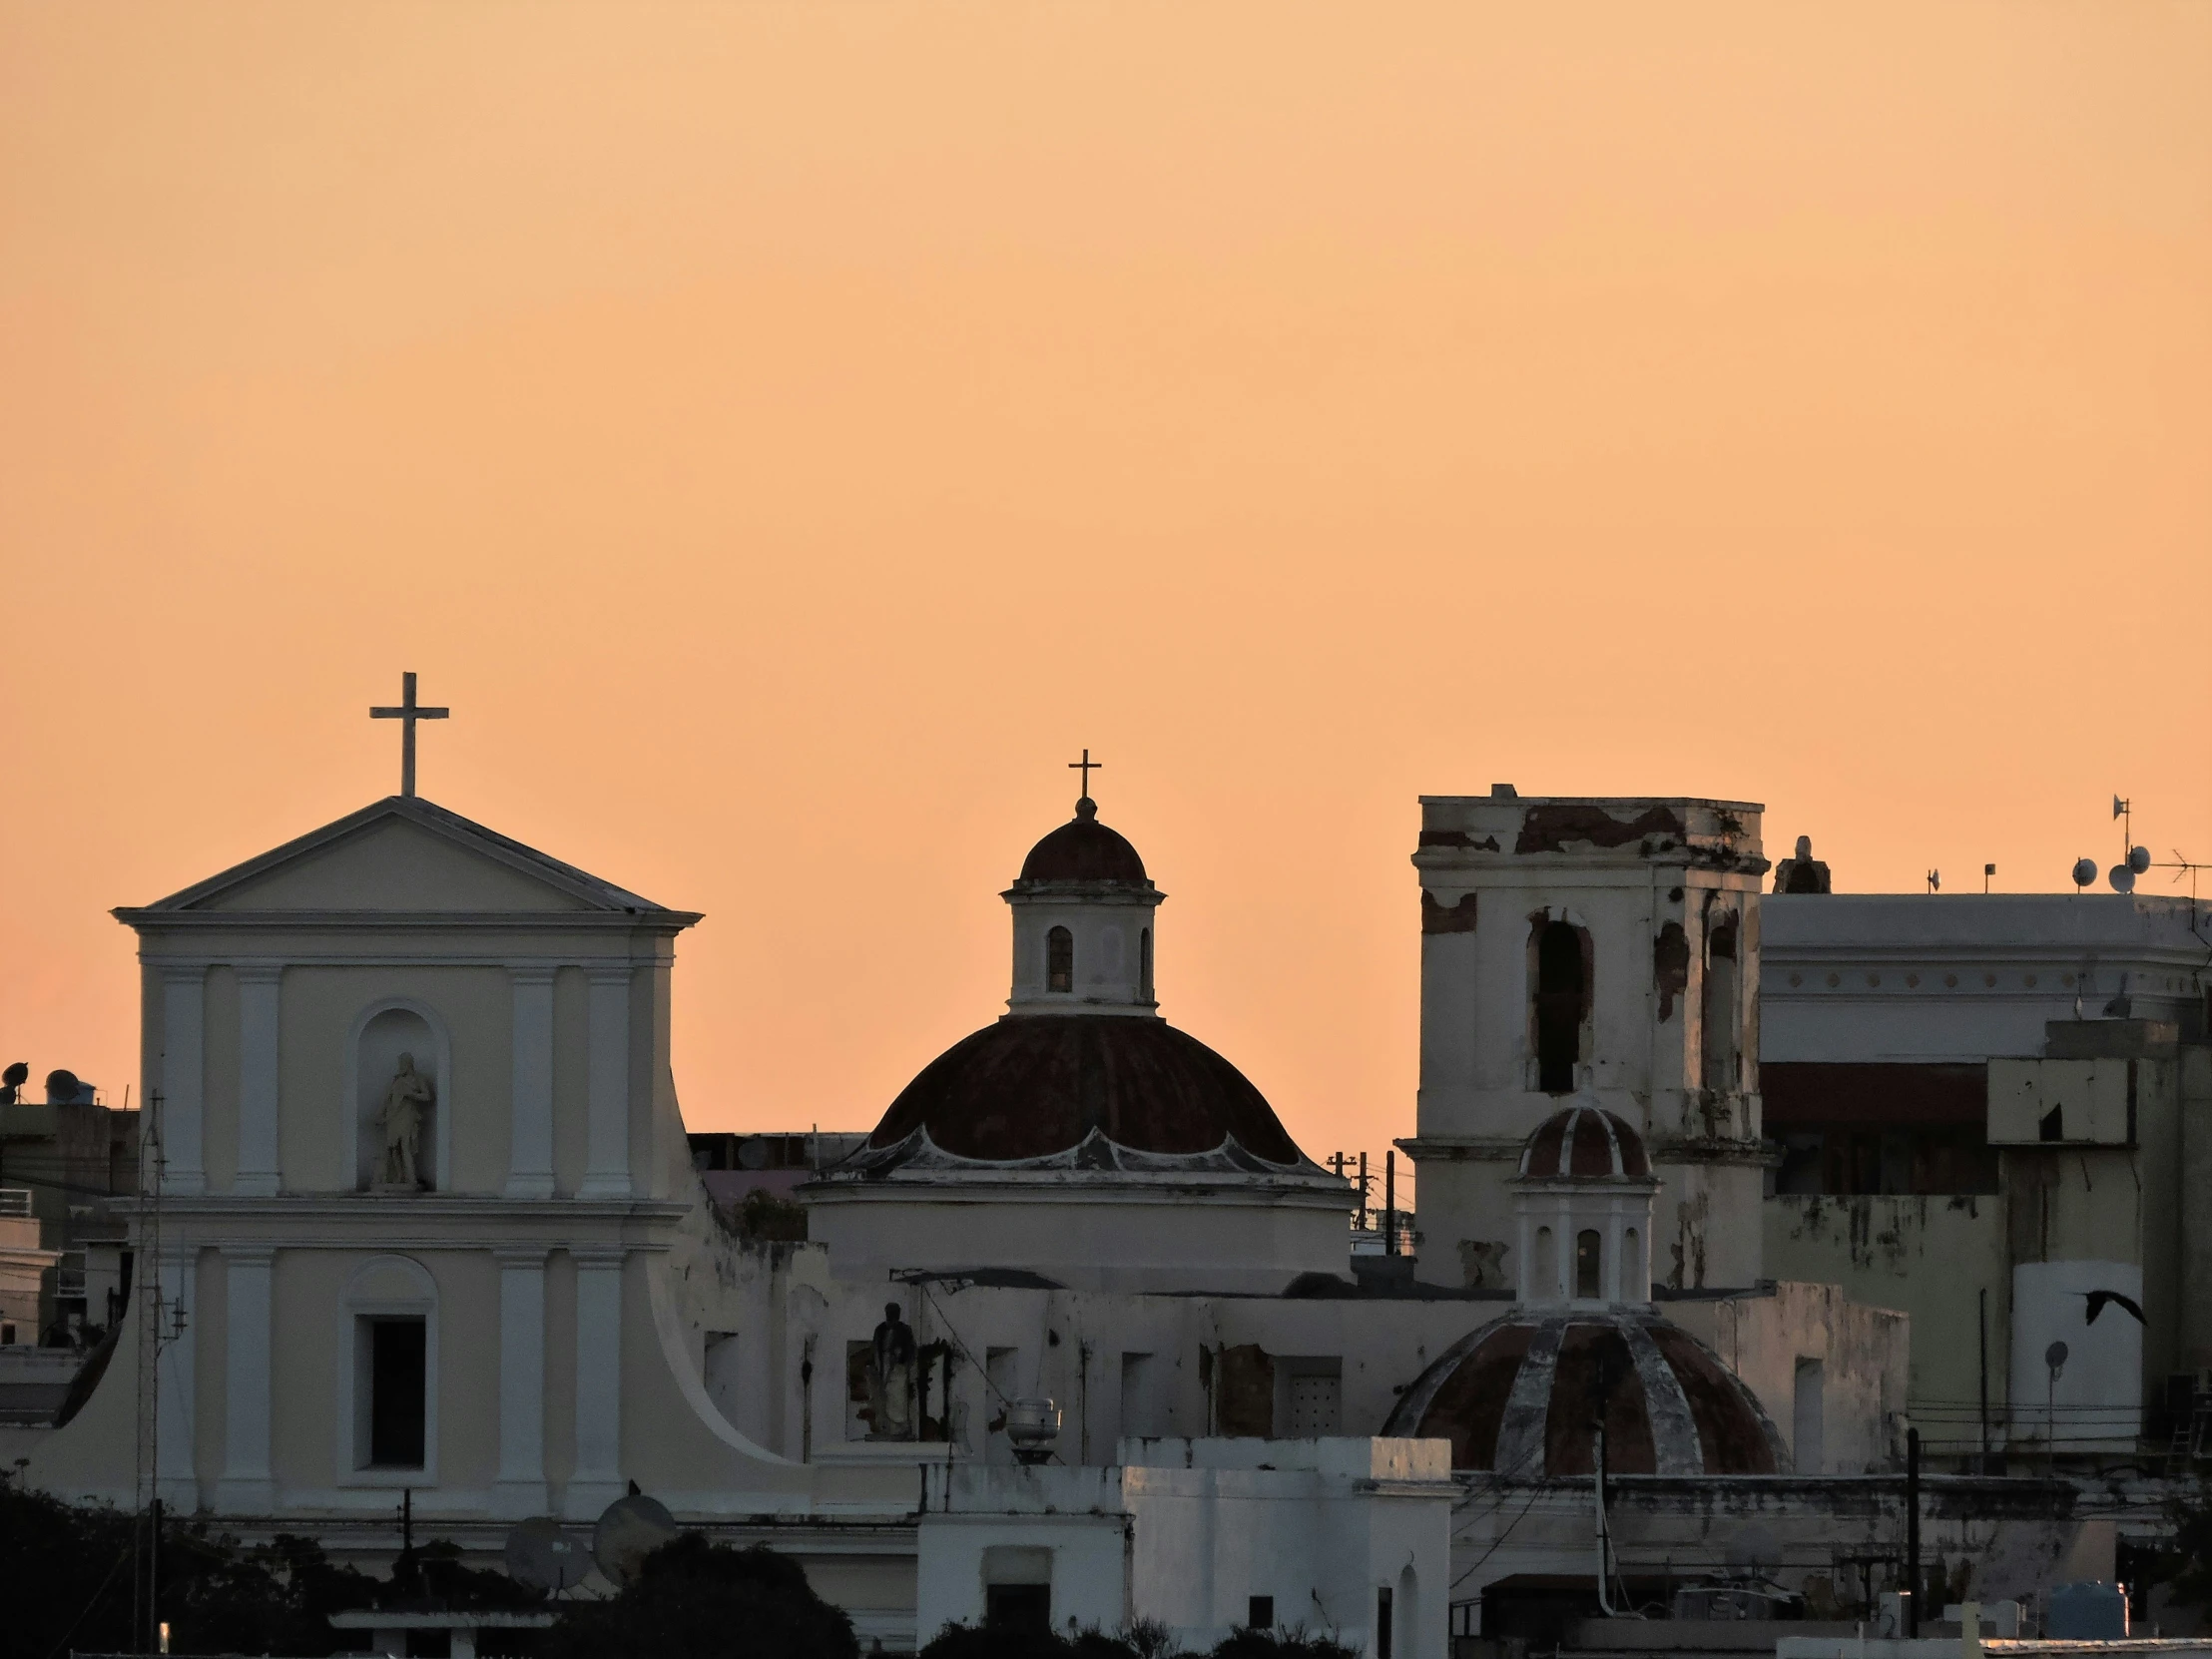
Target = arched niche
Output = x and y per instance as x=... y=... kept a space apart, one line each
x=382 y=1033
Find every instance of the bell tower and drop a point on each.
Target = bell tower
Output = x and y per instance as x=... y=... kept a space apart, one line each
x=1604 y=950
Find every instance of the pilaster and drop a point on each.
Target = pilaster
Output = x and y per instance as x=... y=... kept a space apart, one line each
x=530 y=1161
x=521 y=1485
x=184 y=1069
x=607 y=1153
x=247 y=1487
x=260 y=1020
x=597 y=1480
x=176 y=1460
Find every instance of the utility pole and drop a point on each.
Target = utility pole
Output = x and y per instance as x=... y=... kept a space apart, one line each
x=1912 y=1533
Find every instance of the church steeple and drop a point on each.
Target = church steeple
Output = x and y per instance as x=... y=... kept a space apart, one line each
x=1083 y=922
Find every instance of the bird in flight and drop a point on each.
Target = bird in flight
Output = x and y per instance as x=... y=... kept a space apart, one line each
x=2097 y=1300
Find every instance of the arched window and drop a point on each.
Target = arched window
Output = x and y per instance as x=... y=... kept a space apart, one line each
x=1587 y=1250
x=1544 y=1268
x=1632 y=1249
x=1059 y=960
x=1561 y=995
x=1721 y=1066
x=1144 y=964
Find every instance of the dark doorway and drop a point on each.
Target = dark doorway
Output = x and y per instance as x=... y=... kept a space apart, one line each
x=1587 y=1249
x=1023 y=1607
x=1560 y=998
x=397 y=1374
x=1383 y=1622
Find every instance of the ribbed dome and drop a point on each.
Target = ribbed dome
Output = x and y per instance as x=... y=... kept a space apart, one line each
x=1084 y=850
x=1584 y=1143
x=1042 y=1084
x=1519 y=1395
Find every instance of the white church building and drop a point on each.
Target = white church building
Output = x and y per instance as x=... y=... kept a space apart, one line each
x=428 y=1221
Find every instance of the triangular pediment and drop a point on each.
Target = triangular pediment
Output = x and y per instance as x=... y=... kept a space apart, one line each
x=403 y=856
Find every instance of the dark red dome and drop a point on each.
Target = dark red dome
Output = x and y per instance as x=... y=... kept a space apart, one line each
x=1084 y=850
x=1518 y=1398
x=1584 y=1143
x=1037 y=1085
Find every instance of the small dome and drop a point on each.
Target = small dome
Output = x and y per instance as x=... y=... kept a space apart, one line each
x=1084 y=850
x=1584 y=1143
x=1044 y=1084
x=1518 y=1398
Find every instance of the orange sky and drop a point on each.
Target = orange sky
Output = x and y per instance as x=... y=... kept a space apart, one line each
x=786 y=433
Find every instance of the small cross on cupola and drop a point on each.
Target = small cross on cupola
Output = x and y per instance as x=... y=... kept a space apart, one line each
x=408 y=712
x=1086 y=765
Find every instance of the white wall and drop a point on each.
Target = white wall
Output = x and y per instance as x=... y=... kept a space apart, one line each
x=2097 y=1402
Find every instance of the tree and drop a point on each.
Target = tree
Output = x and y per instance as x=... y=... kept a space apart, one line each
x=70 y=1573
x=697 y=1600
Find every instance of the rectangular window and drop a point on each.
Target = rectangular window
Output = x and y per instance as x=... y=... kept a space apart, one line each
x=1017 y=1588
x=1383 y=1622
x=1808 y=1417
x=1023 y=1607
x=859 y=1402
x=720 y=1365
x=1140 y=1416
x=1260 y=1613
x=399 y=1353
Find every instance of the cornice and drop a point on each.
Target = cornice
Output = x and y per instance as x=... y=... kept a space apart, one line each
x=524 y=921
x=352 y=1207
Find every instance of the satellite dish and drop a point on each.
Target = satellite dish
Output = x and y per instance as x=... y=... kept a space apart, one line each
x=2084 y=871
x=544 y=1557
x=2138 y=859
x=630 y=1529
x=2122 y=878
x=2055 y=1358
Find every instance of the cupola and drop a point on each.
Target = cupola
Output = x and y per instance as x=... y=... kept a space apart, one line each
x=1083 y=923
x=1582 y=1208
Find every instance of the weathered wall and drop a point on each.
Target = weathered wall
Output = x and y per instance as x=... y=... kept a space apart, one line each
x=1941 y=1261
x=1861 y=1352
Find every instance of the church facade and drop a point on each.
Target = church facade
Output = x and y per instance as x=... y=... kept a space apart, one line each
x=428 y=1223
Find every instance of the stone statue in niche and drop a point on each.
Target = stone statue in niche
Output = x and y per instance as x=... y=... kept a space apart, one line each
x=891 y=1377
x=405 y=1111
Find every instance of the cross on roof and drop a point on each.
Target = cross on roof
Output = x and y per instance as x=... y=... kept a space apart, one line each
x=1086 y=765
x=408 y=712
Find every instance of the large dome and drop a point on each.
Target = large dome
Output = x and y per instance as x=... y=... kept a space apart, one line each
x=1042 y=1085
x=1084 y=850
x=1518 y=1396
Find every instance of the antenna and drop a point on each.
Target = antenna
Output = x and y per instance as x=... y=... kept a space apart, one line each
x=1988 y=870
x=1935 y=881
x=2133 y=859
